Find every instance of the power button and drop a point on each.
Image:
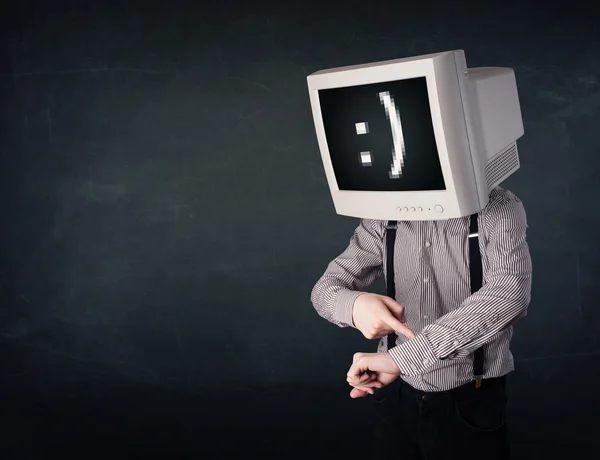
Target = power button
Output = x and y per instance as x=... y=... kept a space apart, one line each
x=438 y=208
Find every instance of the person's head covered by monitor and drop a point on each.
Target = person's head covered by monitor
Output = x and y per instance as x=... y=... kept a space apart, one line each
x=420 y=138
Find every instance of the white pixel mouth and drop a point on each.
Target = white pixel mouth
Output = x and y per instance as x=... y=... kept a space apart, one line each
x=393 y=115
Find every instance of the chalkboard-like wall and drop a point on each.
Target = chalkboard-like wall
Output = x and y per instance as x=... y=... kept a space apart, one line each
x=165 y=213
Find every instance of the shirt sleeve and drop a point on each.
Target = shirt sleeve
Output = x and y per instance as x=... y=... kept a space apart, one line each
x=503 y=298
x=350 y=274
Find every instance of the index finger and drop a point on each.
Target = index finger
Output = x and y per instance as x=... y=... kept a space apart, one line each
x=398 y=326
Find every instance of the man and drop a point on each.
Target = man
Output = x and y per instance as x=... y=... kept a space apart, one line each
x=426 y=402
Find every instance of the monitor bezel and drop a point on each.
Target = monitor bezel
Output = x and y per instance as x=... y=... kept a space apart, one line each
x=448 y=118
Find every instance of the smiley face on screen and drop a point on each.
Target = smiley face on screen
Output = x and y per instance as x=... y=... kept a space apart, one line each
x=380 y=136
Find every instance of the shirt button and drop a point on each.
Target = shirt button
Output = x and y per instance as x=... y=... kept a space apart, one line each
x=427 y=244
x=425 y=316
x=456 y=343
x=426 y=362
x=426 y=280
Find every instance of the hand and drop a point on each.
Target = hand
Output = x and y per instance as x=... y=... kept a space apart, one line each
x=370 y=371
x=377 y=316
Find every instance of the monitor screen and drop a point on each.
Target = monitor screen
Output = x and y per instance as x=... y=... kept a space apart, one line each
x=380 y=136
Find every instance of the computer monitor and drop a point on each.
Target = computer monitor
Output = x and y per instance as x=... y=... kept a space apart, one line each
x=419 y=138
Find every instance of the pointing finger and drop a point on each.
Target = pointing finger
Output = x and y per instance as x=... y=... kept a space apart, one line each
x=398 y=326
x=394 y=307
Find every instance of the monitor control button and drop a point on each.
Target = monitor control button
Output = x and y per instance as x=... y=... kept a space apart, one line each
x=438 y=208
x=405 y=208
x=419 y=208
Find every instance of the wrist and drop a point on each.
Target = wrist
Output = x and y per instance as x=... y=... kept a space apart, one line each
x=356 y=304
x=359 y=299
x=396 y=366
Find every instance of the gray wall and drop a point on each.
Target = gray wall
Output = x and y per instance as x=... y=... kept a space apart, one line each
x=165 y=210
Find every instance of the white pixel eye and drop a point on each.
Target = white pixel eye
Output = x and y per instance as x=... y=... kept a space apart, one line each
x=365 y=159
x=399 y=151
x=362 y=128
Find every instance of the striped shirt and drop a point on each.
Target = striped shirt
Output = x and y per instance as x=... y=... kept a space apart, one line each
x=432 y=279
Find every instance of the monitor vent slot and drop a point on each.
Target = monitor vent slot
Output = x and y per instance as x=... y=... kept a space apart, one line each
x=503 y=164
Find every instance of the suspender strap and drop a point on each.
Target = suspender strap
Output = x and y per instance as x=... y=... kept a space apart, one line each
x=476 y=271
x=390 y=239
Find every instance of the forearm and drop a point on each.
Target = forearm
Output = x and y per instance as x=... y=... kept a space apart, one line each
x=349 y=275
x=334 y=302
x=461 y=332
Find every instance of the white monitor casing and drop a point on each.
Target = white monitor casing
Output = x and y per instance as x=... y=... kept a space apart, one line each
x=476 y=119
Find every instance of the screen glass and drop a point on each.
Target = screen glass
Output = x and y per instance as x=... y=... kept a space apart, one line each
x=381 y=137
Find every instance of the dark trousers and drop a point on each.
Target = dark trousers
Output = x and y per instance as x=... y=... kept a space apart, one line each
x=466 y=422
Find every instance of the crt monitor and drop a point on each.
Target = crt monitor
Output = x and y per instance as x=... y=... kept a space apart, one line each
x=420 y=138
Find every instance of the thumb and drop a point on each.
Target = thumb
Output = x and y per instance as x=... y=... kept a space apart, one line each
x=395 y=308
x=356 y=393
x=397 y=325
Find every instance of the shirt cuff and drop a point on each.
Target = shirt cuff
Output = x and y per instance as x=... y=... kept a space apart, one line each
x=414 y=356
x=343 y=306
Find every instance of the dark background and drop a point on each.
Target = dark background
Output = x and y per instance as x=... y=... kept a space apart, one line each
x=165 y=215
